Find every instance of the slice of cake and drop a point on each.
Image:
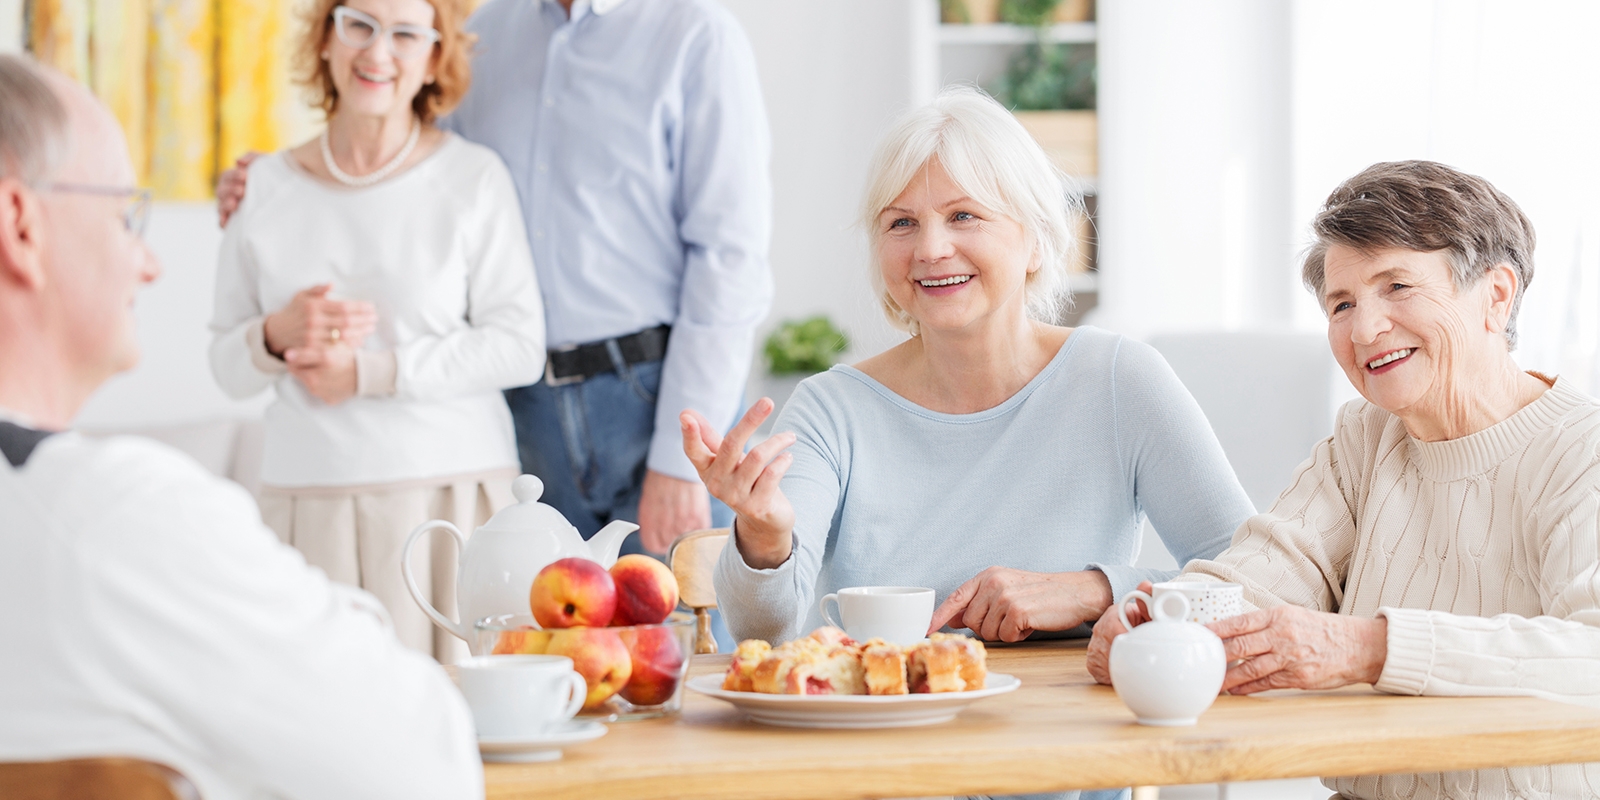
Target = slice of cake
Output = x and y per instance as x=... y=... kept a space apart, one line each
x=947 y=663
x=772 y=674
x=834 y=670
x=742 y=669
x=829 y=636
x=884 y=666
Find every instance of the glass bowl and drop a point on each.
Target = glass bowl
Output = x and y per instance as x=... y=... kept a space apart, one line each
x=658 y=659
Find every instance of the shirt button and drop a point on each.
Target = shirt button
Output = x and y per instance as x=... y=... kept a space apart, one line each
x=549 y=101
x=538 y=233
x=543 y=167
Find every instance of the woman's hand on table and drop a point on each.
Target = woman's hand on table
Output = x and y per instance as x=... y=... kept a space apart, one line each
x=1004 y=604
x=747 y=482
x=311 y=319
x=328 y=373
x=1289 y=647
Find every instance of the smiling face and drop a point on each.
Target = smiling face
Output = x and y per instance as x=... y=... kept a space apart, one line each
x=1407 y=338
x=948 y=262
x=373 y=81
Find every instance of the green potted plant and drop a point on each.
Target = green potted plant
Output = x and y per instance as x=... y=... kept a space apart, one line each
x=796 y=350
x=1051 y=88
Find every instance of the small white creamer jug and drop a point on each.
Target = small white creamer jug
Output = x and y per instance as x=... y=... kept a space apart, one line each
x=1167 y=670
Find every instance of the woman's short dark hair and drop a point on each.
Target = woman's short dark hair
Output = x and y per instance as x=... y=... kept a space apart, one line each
x=1428 y=207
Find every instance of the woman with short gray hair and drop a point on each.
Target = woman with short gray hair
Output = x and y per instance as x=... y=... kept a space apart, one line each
x=1445 y=540
x=1001 y=459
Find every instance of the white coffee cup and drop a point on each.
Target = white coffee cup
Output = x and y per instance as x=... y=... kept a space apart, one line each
x=520 y=695
x=898 y=614
x=1209 y=601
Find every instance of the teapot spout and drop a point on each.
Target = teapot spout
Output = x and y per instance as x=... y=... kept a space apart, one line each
x=607 y=541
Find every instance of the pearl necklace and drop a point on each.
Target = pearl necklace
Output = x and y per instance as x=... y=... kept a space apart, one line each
x=376 y=175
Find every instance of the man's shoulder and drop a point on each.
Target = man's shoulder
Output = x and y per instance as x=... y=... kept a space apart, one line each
x=75 y=476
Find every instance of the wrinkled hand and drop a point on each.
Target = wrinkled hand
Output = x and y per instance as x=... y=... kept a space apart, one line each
x=1289 y=647
x=327 y=372
x=669 y=508
x=230 y=187
x=1004 y=604
x=1109 y=628
x=311 y=319
x=747 y=482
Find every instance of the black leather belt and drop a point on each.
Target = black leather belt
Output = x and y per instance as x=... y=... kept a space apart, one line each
x=581 y=362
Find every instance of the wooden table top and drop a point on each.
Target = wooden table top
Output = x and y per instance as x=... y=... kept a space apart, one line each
x=1059 y=731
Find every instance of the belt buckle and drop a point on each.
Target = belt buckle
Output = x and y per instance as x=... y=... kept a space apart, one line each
x=550 y=378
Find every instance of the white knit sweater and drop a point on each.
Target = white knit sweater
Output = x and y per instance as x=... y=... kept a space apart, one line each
x=1483 y=552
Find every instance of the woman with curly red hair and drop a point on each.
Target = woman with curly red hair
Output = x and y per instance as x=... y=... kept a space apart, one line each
x=379 y=279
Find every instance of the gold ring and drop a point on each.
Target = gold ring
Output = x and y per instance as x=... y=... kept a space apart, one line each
x=334 y=335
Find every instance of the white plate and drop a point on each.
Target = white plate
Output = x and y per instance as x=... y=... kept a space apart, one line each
x=853 y=710
x=545 y=747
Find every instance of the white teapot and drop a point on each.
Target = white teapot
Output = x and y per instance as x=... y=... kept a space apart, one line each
x=1167 y=670
x=499 y=562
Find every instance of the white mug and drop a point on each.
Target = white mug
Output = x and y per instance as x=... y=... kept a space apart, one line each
x=520 y=695
x=897 y=614
x=1209 y=601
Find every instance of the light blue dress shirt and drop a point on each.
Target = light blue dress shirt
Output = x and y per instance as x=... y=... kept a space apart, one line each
x=638 y=141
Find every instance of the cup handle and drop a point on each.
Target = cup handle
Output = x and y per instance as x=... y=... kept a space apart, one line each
x=1122 y=607
x=580 y=693
x=443 y=621
x=824 y=606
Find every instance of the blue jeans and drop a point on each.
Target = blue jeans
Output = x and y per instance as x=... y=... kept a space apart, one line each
x=588 y=442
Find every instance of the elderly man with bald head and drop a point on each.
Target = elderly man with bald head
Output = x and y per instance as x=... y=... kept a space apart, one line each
x=148 y=612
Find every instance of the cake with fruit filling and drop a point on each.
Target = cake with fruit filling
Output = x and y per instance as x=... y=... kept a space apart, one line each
x=946 y=663
x=884 y=666
x=742 y=669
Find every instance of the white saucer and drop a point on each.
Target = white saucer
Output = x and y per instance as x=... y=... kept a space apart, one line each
x=543 y=747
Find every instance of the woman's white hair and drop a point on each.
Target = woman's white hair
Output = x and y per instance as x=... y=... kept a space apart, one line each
x=994 y=161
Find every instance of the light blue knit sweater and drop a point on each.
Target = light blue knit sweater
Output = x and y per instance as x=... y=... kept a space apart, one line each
x=1057 y=478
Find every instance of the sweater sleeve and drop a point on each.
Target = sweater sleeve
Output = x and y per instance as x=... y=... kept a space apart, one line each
x=239 y=360
x=773 y=604
x=1299 y=551
x=503 y=343
x=1555 y=656
x=1180 y=476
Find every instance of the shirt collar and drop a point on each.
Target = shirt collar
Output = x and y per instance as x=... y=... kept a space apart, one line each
x=601 y=7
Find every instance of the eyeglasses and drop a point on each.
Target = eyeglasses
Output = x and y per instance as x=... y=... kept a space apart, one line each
x=135 y=209
x=361 y=31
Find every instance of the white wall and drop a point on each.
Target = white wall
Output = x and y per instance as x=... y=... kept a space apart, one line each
x=1194 y=166
x=11 y=26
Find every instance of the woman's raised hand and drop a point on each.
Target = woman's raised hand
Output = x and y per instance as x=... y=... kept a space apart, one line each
x=747 y=482
x=313 y=320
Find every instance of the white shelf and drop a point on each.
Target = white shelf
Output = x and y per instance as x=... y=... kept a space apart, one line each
x=1060 y=33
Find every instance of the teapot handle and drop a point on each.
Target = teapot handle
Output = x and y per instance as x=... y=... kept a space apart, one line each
x=1158 y=608
x=443 y=621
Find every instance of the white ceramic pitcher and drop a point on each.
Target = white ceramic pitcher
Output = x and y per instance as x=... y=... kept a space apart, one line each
x=500 y=560
x=1167 y=670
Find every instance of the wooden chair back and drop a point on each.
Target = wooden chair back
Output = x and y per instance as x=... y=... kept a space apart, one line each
x=692 y=559
x=94 y=779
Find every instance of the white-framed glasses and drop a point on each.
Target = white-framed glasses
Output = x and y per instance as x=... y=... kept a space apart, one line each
x=135 y=201
x=361 y=31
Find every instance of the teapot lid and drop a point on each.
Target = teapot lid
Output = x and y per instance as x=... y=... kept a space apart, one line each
x=527 y=514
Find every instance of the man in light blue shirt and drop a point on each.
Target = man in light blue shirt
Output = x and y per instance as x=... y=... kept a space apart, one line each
x=638 y=140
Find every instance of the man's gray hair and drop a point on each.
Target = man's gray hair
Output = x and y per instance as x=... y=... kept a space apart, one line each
x=33 y=122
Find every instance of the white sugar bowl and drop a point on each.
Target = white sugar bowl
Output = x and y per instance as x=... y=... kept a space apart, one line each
x=1168 y=670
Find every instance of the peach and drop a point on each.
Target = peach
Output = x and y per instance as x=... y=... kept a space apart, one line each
x=525 y=642
x=657 y=663
x=647 y=591
x=599 y=655
x=573 y=593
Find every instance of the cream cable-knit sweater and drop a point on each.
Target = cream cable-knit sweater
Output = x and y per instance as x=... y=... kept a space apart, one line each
x=1483 y=552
